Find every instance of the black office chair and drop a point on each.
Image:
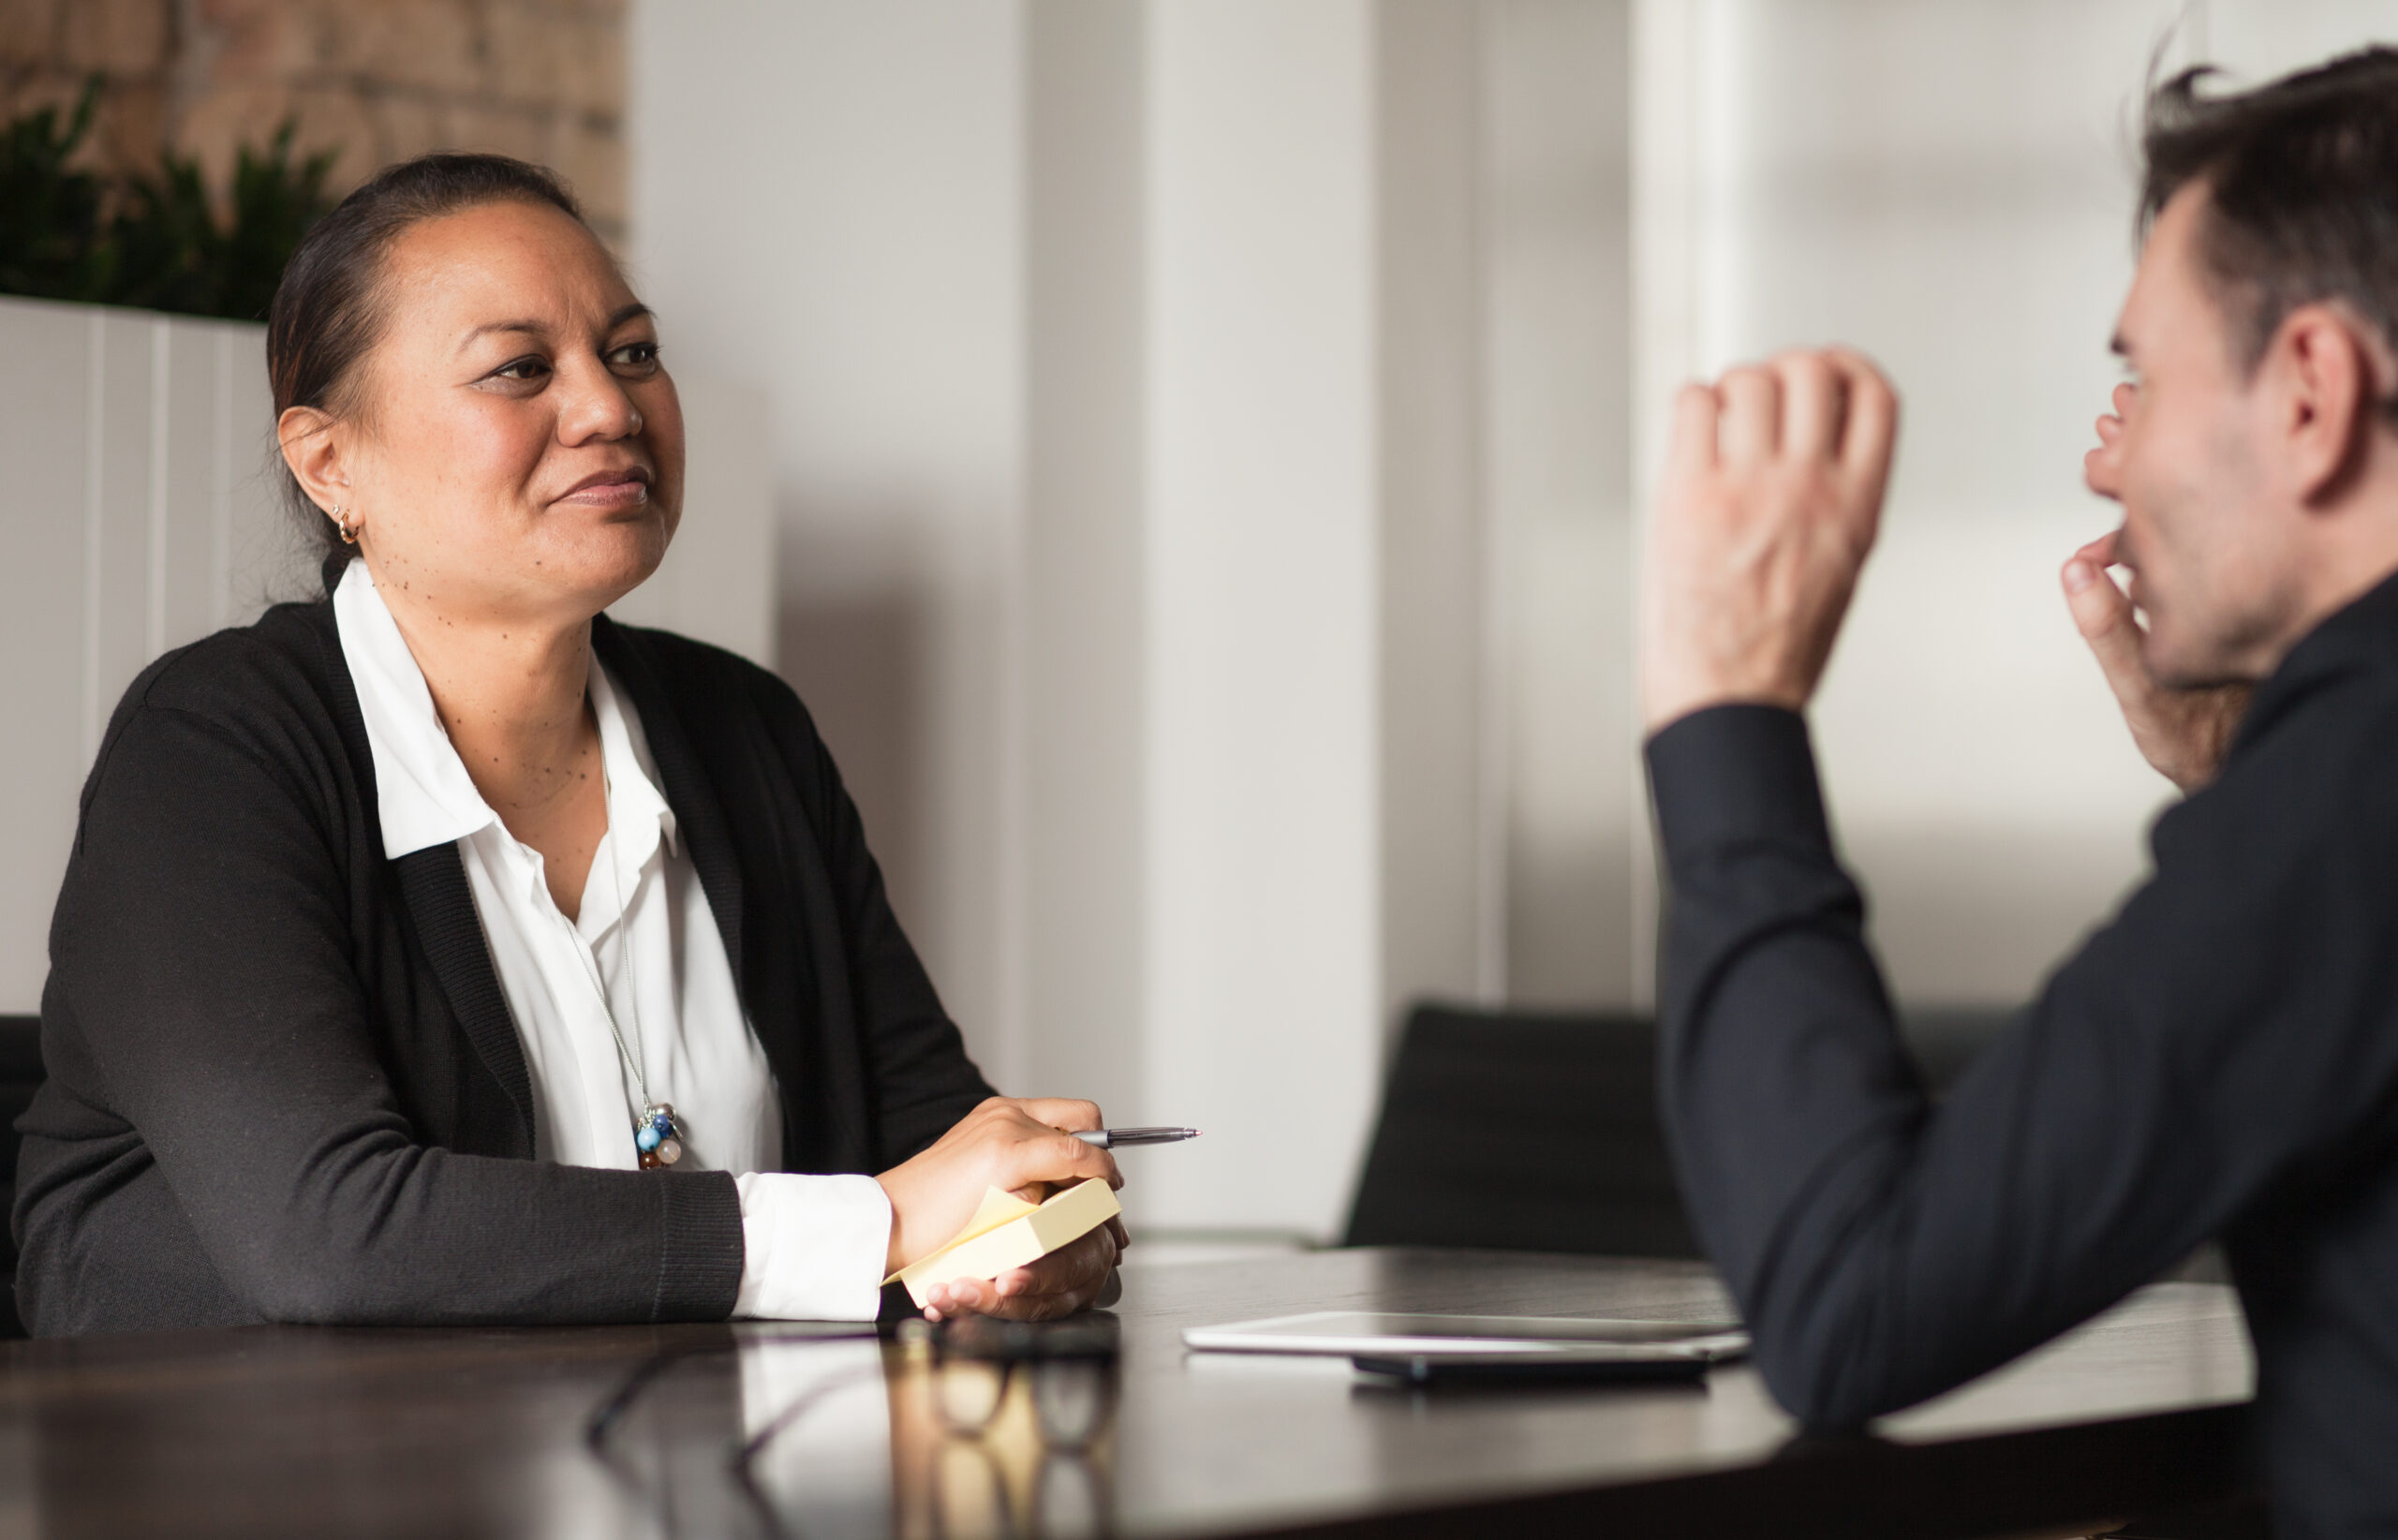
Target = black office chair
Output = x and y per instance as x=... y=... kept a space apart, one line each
x=20 y=1075
x=1522 y=1131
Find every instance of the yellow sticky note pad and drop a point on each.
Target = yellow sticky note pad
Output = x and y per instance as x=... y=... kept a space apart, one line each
x=1007 y=1232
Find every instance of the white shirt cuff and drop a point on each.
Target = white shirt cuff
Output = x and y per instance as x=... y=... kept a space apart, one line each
x=812 y=1247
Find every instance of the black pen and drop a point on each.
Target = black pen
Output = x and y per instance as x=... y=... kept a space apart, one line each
x=1109 y=1138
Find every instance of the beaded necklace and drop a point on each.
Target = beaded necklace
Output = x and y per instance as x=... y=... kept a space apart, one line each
x=658 y=1128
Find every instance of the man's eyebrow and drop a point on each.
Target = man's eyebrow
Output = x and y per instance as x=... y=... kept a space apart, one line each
x=633 y=312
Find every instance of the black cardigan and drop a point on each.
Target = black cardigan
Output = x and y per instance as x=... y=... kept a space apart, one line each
x=284 y=1084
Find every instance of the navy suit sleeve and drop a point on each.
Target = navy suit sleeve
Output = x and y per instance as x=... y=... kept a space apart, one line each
x=2230 y=1030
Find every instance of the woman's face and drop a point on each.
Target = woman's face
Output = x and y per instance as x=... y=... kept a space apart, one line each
x=516 y=454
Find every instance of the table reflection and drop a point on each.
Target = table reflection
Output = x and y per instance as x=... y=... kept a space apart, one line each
x=990 y=1431
x=1007 y=1430
x=817 y=1451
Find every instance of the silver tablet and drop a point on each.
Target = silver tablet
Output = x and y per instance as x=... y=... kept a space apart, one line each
x=1381 y=1335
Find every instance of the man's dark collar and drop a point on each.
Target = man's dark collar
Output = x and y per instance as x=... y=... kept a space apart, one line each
x=2361 y=636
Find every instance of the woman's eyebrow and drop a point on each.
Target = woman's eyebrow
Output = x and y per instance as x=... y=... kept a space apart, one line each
x=532 y=328
x=633 y=312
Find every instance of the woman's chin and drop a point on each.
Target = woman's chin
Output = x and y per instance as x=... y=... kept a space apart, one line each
x=610 y=562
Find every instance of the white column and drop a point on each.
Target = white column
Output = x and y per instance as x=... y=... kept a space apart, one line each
x=1556 y=404
x=1084 y=600
x=1442 y=786
x=1262 y=961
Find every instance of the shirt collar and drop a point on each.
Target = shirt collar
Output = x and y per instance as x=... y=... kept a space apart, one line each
x=423 y=792
x=634 y=802
x=421 y=787
x=2360 y=637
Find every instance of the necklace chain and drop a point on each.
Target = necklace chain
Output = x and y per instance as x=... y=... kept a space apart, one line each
x=657 y=1122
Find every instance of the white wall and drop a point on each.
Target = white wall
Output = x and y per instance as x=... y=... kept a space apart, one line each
x=141 y=516
x=1441 y=778
x=826 y=203
x=1262 y=944
x=717 y=583
x=1084 y=659
x=1556 y=434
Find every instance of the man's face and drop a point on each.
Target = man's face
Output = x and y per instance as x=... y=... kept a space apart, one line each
x=2213 y=566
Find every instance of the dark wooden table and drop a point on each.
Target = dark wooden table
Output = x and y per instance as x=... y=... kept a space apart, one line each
x=285 y=1431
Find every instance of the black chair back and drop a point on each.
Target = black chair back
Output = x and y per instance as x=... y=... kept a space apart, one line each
x=1523 y=1132
x=1530 y=1131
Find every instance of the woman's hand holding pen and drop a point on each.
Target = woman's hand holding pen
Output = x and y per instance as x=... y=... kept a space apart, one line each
x=1022 y=1146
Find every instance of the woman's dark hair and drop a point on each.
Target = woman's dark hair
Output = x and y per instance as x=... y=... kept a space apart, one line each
x=328 y=309
x=2301 y=179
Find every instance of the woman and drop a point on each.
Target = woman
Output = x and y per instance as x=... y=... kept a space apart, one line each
x=441 y=952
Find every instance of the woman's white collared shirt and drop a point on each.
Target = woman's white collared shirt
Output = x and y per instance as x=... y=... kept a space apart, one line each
x=643 y=950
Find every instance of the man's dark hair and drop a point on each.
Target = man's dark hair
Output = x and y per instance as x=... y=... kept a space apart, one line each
x=2301 y=178
x=328 y=310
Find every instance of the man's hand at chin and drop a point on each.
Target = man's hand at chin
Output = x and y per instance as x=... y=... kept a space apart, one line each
x=2182 y=732
x=1772 y=494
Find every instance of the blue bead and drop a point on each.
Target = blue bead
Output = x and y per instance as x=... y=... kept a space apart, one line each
x=647 y=1139
x=663 y=1124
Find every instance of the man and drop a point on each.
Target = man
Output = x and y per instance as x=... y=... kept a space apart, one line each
x=2222 y=1058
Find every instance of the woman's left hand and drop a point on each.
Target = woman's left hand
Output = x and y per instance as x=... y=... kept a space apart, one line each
x=1066 y=1280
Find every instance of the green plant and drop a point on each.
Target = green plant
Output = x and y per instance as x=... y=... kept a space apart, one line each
x=274 y=203
x=50 y=216
x=157 y=241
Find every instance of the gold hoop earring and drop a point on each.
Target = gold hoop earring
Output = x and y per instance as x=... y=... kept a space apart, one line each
x=348 y=530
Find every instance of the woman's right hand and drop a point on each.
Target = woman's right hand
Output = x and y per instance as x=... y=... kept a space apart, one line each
x=1017 y=1146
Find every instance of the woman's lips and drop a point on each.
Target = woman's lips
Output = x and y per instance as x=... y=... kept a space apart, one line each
x=613 y=489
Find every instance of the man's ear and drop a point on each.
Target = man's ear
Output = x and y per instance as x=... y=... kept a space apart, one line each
x=314 y=451
x=2328 y=380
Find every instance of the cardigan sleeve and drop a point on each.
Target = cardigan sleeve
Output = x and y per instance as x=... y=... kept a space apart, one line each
x=201 y=962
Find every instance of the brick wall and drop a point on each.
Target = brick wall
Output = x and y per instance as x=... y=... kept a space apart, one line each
x=376 y=80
